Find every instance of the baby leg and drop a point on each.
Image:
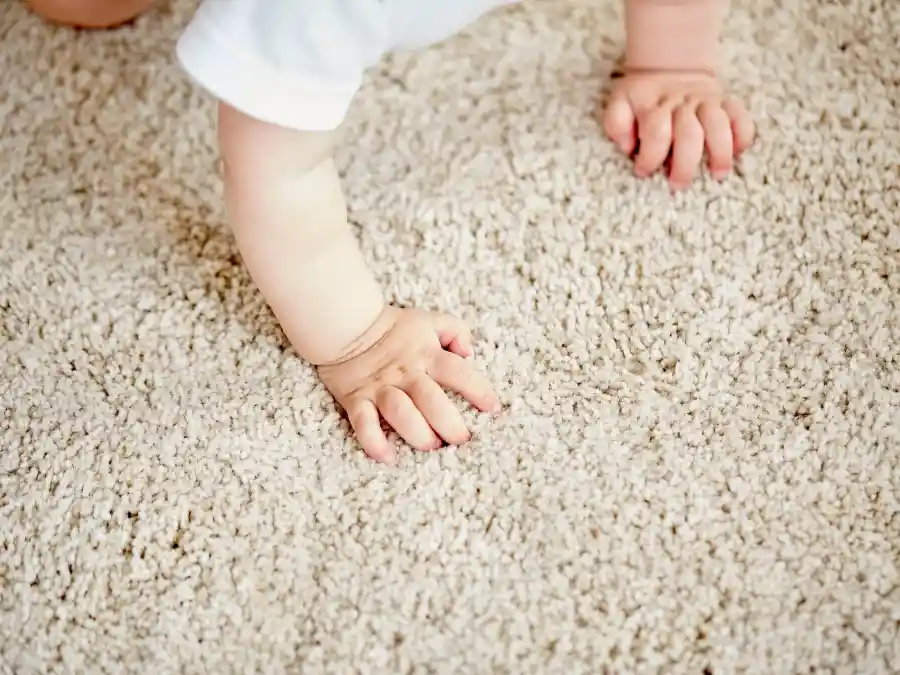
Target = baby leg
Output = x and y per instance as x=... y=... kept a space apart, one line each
x=88 y=13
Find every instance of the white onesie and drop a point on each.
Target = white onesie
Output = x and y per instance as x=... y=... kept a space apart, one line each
x=299 y=63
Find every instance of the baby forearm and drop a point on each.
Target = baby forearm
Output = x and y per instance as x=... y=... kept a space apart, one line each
x=677 y=35
x=288 y=215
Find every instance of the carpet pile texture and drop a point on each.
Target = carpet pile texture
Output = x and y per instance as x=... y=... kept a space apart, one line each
x=698 y=465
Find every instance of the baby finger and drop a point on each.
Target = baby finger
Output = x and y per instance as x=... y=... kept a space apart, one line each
x=719 y=141
x=654 y=139
x=405 y=418
x=742 y=126
x=687 y=147
x=455 y=373
x=438 y=410
x=363 y=417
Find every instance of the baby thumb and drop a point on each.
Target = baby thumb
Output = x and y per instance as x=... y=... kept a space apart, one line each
x=453 y=334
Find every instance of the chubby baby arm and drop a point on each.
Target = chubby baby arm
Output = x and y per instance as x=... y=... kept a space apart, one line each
x=289 y=218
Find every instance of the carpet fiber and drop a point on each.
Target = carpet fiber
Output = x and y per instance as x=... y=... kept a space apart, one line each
x=697 y=467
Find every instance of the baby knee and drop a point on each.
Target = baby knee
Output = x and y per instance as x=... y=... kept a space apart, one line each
x=88 y=13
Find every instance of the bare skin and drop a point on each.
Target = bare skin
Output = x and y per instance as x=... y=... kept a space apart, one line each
x=289 y=218
x=399 y=371
x=88 y=13
x=670 y=108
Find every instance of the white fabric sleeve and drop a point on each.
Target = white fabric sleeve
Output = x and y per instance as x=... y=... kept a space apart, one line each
x=292 y=63
x=419 y=23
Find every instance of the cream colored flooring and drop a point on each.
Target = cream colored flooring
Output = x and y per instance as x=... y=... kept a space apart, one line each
x=697 y=471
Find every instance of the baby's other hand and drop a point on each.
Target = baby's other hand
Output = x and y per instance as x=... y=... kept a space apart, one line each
x=398 y=371
x=658 y=116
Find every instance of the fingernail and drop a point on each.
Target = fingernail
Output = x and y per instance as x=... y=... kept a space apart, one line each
x=719 y=175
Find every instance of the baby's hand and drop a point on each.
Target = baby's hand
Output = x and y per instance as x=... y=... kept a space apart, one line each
x=398 y=370
x=658 y=116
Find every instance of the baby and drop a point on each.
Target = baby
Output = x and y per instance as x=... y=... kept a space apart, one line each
x=285 y=73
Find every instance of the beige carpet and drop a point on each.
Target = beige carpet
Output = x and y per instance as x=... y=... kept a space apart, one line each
x=697 y=471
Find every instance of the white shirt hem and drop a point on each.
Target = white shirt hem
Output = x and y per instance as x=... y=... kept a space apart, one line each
x=256 y=89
